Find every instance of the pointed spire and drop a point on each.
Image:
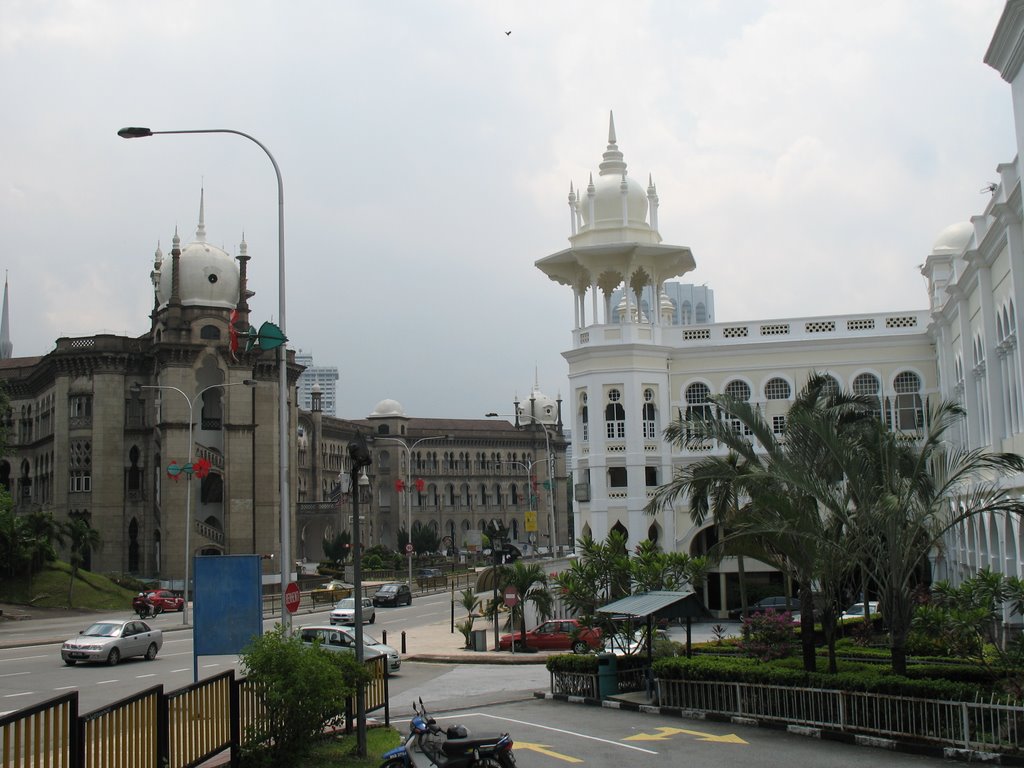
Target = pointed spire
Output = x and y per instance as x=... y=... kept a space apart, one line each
x=201 y=229
x=613 y=162
x=175 y=241
x=6 y=345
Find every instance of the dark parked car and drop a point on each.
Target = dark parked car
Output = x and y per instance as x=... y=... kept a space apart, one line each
x=393 y=594
x=776 y=603
x=431 y=577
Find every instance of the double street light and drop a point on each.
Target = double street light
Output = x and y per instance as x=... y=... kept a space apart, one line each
x=408 y=480
x=551 y=470
x=282 y=355
x=188 y=468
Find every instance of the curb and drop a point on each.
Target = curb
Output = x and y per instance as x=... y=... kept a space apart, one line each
x=823 y=734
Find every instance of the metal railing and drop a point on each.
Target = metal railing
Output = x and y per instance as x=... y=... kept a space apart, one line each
x=959 y=724
x=179 y=729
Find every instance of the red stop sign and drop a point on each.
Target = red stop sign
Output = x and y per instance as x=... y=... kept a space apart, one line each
x=291 y=597
x=511 y=597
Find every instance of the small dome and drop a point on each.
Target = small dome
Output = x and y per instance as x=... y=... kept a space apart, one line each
x=953 y=239
x=545 y=409
x=207 y=275
x=608 y=202
x=315 y=388
x=388 y=408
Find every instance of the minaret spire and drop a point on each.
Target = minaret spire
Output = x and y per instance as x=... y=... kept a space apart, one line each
x=6 y=345
x=613 y=162
x=201 y=229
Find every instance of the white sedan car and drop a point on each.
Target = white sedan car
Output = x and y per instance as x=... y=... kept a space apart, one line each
x=856 y=611
x=113 y=640
x=394 y=658
x=345 y=611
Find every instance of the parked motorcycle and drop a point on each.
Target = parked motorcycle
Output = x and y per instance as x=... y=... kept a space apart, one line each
x=428 y=746
x=142 y=606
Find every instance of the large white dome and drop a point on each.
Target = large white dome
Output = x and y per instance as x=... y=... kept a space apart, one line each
x=207 y=275
x=388 y=408
x=953 y=239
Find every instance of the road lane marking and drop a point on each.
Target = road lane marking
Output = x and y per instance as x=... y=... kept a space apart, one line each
x=179 y=653
x=207 y=666
x=183 y=669
x=562 y=730
x=15 y=674
x=545 y=749
x=105 y=682
x=140 y=677
x=13 y=695
x=66 y=688
x=664 y=733
x=25 y=658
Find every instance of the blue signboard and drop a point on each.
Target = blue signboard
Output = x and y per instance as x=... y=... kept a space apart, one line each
x=227 y=611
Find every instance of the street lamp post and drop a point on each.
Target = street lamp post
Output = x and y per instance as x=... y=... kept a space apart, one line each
x=408 y=480
x=282 y=355
x=188 y=468
x=551 y=470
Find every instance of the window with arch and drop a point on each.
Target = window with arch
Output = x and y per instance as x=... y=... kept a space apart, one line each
x=584 y=417
x=868 y=385
x=209 y=332
x=698 y=405
x=701 y=314
x=738 y=390
x=80 y=466
x=650 y=415
x=686 y=313
x=615 y=416
x=909 y=404
x=777 y=389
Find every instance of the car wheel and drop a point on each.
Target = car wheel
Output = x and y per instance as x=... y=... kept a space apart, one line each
x=517 y=646
x=580 y=647
x=151 y=652
x=69 y=662
x=114 y=657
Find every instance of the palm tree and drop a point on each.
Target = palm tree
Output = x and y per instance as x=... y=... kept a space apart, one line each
x=82 y=538
x=531 y=584
x=782 y=524
x=904 y=495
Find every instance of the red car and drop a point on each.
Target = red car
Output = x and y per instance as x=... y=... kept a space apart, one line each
x=555 y=635
x=168 y=601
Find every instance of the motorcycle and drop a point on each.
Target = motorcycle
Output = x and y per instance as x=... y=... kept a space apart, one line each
x=142 y=606
x=428 y=746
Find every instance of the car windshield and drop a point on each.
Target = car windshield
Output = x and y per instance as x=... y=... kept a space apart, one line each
x=389 y=588
x=348 y=602
x=103 y=629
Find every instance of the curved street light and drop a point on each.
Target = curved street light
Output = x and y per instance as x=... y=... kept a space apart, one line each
x=188 y=469
x=136 y=132
x=408 y=485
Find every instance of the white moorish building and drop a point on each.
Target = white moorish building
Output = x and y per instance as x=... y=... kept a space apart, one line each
x=632 y=370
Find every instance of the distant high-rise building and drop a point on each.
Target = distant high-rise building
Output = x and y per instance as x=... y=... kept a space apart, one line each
x=682 y=304
x=324 y=375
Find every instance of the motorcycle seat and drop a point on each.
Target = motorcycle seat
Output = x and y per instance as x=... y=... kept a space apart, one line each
x=456 y=732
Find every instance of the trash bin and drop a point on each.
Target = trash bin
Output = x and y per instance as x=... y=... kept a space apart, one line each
x=607 y=676
x=479 y=639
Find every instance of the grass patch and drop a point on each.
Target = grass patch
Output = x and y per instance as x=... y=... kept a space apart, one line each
x=49 y=589
x=340 y=750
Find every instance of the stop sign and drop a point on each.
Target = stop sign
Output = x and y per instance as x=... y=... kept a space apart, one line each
x=511 y=597
x=291 y=597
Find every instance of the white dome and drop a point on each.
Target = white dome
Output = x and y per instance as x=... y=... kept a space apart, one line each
x=388 y=408
x=608 y=202
x=545 y=409
x=953 y=239
x=207 y=275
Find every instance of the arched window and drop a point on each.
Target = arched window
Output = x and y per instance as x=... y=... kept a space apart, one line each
x=210 y=332
x=686 y=313
x=909 y=404
x=615 y=416
x=697 y=403
x=584 y=417
x=867 y=385
x=777 y=389
x=701 y=315
x=650 y=415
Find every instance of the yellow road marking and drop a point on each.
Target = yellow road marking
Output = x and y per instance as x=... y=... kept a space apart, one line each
x=544 y=749
x=667 y=733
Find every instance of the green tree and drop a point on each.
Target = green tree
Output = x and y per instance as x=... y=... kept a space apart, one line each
x=305 y=688
x=425 y=539
x=82 y=539
x=337 y=550
x=902 y=494
x=468 y=599
x=531 y=584
x=14 y=550
x=598 y=576
x=783 y=524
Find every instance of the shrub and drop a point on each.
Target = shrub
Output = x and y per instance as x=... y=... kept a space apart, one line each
x=768 y=635
x=303 y=686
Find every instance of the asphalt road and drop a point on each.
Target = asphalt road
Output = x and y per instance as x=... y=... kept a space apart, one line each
x=30 y=674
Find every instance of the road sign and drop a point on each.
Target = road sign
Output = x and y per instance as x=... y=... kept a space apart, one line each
x=291 y=597
x=511 y=597
x=531 y=520
x=408 y=548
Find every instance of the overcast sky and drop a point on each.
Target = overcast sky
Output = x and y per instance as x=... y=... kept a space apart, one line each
x=808 y=152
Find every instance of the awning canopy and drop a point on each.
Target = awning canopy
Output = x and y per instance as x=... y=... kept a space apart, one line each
x=659 y=605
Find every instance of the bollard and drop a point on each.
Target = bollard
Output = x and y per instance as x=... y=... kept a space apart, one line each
x=384 y=636
x=403 y=641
